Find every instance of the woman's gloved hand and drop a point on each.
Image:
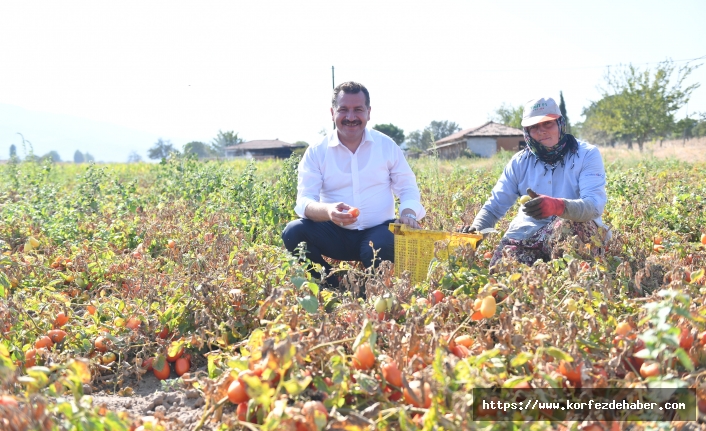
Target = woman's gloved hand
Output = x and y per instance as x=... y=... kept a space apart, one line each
x=470 y=229
x=541 y=206
x=467 y=229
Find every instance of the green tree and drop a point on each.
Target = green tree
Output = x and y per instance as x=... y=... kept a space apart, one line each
x=684 y=128
x=392 y=131
x=639 y=105
x=78 y=157
x=591 y=131
x=197 y=148
x=88 y=157
x=419 y=140
x=562 y=109
x=508 y=115
x=161 y=149
x=134 y=157
x=422 y=140
x=52 y=155
x=223 y=140
x=442 y=129
x=13 y=151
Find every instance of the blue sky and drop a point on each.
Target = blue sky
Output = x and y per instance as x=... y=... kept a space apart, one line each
x=111 y=78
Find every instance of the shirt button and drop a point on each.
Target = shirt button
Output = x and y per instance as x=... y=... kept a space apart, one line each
x=550 y=182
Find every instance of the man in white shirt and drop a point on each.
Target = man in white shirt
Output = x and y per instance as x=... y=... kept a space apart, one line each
x=352 y=168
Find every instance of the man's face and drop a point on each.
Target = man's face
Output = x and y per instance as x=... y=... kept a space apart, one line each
x=351 y=115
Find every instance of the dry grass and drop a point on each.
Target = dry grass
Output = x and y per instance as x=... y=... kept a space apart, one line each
x=693 y=150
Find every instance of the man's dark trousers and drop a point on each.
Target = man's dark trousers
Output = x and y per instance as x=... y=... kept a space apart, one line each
x=330 y=240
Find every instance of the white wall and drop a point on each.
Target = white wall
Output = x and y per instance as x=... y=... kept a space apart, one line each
x=484 y=147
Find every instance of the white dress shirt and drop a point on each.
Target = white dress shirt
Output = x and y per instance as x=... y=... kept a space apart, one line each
x=329 y=172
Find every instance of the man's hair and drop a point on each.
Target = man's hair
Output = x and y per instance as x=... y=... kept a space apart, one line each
x=350 y=87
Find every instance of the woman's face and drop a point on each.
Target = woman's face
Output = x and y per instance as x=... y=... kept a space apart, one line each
x=546 y=133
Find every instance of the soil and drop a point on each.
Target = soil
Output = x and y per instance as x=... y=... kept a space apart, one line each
x=175 y=408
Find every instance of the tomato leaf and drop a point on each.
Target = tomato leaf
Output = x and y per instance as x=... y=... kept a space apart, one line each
x=365 y=334
x=558 y=354
x=684 y=359
x=174 y=348
x=309 y=303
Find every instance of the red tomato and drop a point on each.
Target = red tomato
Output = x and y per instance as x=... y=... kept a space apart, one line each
x=437 y=296
x=164 y=373
x=182 y=366
x=355 y=212
x=237 y=393
x=392 y=373
x=175 y=357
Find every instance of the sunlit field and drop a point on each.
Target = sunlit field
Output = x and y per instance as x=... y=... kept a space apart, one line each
x=159 y=296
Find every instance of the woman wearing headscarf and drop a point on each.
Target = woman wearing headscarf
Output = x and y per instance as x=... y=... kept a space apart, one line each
x=565 y=181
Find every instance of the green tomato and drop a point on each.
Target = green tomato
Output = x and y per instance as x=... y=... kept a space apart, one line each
x=390 y=302
x=380 y=305
x=524 y=199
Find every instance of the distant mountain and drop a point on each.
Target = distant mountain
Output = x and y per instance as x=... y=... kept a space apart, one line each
x=65 y=134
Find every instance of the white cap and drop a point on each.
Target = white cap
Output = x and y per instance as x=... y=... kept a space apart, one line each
x=540 y=110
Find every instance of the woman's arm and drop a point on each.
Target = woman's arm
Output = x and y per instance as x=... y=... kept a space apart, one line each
x=502 y=197
x=592 y=188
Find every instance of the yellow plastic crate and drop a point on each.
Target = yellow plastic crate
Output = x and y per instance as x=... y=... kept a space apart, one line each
x=414 y=248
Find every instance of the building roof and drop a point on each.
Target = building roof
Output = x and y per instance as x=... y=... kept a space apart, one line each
x=488 y=129
x=263 y=144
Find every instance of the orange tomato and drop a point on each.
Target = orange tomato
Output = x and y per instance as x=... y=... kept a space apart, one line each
x=242 y=412
x=171 y=243
x=437 y=296
x=422 y=400
x=464 y=340
x=488 y=255
x=649 y=369
x=101 y=344
x=392 y=373
x=60 y=320
x=658 y=239
x=164 y=333
x=43 y=342
x=175 y=357
x=571 y=372
x=91 y=310
x=8 y=401
x=363 y=359
x=148 y=364
x=460 y=350
x=56 y=335
x=355 y=212
x=623 y=328
x=703 y=238
x=182 y=366
x=477 y=316
x=133 y=323
x=658 y=248
x=162 y=374
x=487 y=306
x=30 y=358
x=237 y=393
x=686 y=339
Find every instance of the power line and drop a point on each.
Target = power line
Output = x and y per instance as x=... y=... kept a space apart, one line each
x=538 y=69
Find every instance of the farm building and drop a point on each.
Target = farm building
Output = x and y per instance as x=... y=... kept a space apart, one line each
x=484 y=141
x=262 y=149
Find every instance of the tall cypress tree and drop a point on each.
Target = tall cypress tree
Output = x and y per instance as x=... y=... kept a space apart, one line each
x=562 y=108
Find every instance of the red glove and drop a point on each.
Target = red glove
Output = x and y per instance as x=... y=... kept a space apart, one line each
x=541 y=206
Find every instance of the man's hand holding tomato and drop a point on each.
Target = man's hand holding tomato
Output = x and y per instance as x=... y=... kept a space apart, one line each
x=343 y=214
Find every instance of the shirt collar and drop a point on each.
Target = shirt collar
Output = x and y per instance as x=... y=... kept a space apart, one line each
x=333 y=138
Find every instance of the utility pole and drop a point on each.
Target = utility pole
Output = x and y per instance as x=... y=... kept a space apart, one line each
x=333 y=86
